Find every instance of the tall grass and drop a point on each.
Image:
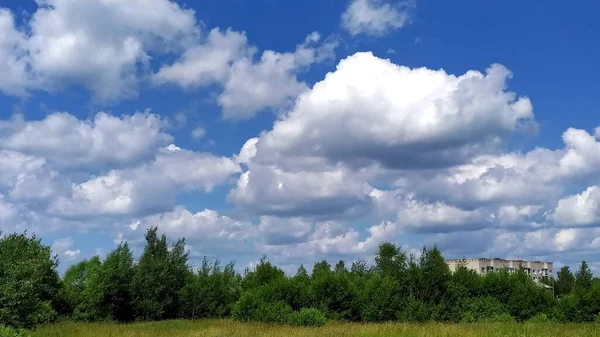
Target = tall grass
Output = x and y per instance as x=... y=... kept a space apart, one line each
x=222 y=328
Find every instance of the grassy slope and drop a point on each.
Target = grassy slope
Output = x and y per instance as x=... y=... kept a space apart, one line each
x=214 y=328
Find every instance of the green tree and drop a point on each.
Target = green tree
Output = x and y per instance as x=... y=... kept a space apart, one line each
x=211 y=292
x=84 y=290
x=583 y=279
x=435 y=276
x=159 y=277
x=390 y=261
x=302 y=273
x=263 y=274
x=29 y=283
x=564 y=282
x=117 y=275
x=340 y=267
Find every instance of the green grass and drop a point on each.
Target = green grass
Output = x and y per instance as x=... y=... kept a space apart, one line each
x=218 y=328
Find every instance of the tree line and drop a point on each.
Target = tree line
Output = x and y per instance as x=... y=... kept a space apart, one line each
x=162 y=285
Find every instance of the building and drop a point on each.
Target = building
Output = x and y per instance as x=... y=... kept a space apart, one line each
x=536 y=269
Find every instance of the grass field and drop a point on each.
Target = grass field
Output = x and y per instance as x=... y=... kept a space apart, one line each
x=218 y=328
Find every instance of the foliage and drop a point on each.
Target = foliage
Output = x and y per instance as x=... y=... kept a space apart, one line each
x=564 y=282
x=583 y=279
x=307 y=317
x=211 y=292
x=539 y=318
x=161 y=285
x=29 y=283
x=159 y=277
x=252 y=306
x=6 y=331
x=117 y=274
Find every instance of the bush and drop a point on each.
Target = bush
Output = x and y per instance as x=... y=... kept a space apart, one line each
x=12 y=332
x=308 y=317
x=253 y=307
x=245 y=308
x=502 y=318
x=483 y=308
x=277 y=312
x=468 y=317
x=415 y=311
x=539 y=318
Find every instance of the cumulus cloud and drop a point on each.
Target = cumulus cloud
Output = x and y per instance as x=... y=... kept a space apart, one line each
x=372 y=118
x=249 y=85
x=271 y=82
x=582 y=209
x=148 y=188
x=371 y=110
x=101 y=44
x=198 y=133
x=105 y=140
x=272 y=191
x=207 y=232
x=539 y=176
x=62 y=247
x=14 y=77
x=206 y=63
x=375 y=17
x=110 y=47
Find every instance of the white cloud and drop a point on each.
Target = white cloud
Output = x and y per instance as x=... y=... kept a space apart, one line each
x=366 y=122
x=579 y=210
x=62 y=248
x=510 y=215
x=14 y=77
x=537 y=177
x=147 y=188
x=438 y=217
x=375 y=17
x=282 y=231
x=272 y=191
x=7 y=210
x=249 y=85
x=247 y=152
x=311 y=241
x=207 y=233
x=28 y=178
x=271 y=82
x=206 y=63
x=103 y=44
x=198 y=133
x=105 y=140
x=207 y=225
x=371 y=110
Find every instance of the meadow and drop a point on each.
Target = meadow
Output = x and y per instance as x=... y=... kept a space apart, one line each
x=230 y=328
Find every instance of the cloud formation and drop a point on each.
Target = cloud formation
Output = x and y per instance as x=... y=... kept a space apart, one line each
x=375 y=17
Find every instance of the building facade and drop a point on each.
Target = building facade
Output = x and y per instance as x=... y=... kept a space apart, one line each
x=535 y=269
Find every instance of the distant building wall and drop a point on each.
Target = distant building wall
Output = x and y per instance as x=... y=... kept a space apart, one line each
x=535 y=269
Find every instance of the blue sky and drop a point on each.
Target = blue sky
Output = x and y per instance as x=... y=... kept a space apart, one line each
x=303 y=130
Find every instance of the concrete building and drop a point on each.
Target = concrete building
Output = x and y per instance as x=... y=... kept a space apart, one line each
x=536 y=269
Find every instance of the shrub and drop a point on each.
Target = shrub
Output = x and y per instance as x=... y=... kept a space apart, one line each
x=12 y=332
x=467 y=317
x=415 y=311
x=539 y=318
x=501 y=318
x=245 y=308
x=277 y=312
x=253 y=307
x=484 y=308
x=308 y=317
